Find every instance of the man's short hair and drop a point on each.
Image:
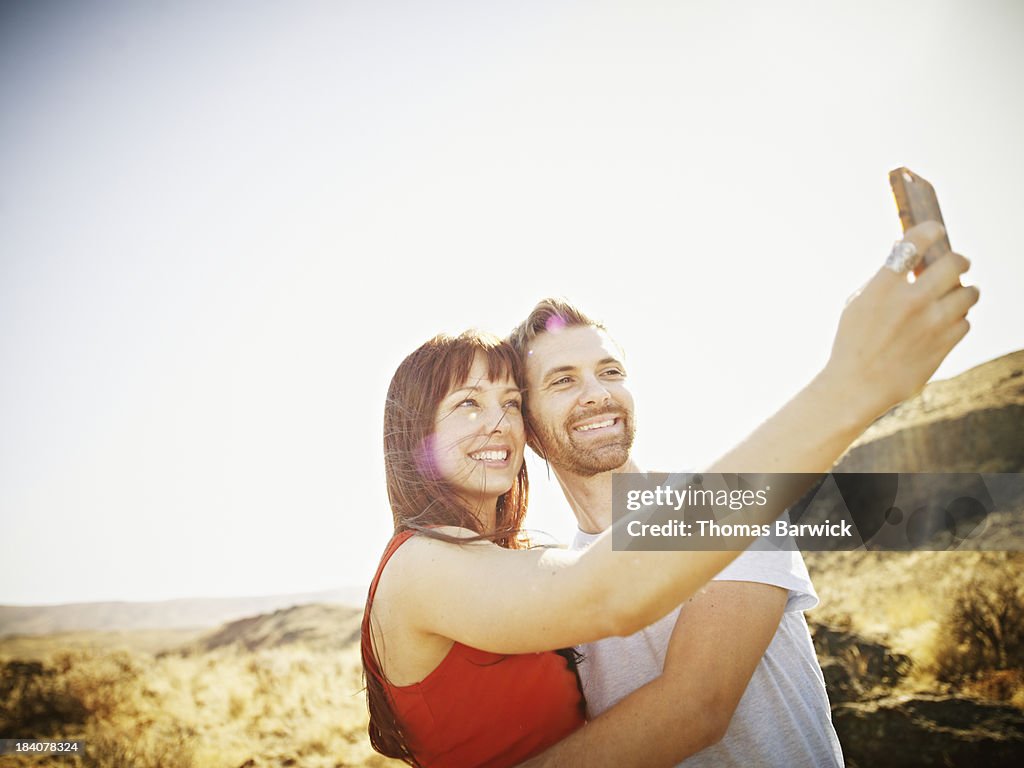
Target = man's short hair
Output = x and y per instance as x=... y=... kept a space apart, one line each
x=549 y=315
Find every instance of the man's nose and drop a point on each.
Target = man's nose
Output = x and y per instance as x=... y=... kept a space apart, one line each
x=593 y=392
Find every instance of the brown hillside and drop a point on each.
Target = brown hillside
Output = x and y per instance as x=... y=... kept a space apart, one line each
x=315 y=627
x=973 y=422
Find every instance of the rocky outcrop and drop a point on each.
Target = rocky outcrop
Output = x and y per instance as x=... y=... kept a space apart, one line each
x=855 y=666
x=971 y=423
x=922 y=730
x=879 y=729
x=988 y=440
x=958 y=447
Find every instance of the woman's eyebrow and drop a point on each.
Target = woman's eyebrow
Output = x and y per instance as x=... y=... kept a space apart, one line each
x=478 y=388
x=461 y=390
x=505 y=390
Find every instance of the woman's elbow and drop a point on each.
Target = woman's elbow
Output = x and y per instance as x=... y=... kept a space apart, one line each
x=620 y=609
x=623 y=614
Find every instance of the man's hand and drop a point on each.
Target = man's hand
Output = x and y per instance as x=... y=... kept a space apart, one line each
x=717 y=643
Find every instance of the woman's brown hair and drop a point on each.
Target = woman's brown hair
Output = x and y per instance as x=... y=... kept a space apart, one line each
x=420 y=499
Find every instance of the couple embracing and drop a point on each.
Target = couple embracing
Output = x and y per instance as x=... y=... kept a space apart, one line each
x=480 y=650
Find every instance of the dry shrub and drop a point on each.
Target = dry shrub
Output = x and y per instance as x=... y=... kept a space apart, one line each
x=984 y=630
x=35 y=701
x=40 y=699
x=116 y=749
x=1005 y=685
x=101 y=681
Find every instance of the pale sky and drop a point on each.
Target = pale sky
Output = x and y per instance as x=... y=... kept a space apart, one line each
x=224 y=224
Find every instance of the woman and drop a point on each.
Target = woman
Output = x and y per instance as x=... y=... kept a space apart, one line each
x=453 y=444
x=460 y=619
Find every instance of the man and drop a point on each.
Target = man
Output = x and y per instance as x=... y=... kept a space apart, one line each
x=731 y=677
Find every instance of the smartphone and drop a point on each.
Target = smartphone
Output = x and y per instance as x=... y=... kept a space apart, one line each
x=916 y=201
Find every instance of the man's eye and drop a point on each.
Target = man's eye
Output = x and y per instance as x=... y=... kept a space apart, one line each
x=563 y=380
x=614 y=372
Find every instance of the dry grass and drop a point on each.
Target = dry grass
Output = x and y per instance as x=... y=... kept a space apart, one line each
x=278 y=707
x=150 y=641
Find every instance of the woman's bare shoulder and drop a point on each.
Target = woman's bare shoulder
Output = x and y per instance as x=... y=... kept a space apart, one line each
x=421 y=551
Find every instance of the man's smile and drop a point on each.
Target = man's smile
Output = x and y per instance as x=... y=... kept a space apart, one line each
x=597 y=424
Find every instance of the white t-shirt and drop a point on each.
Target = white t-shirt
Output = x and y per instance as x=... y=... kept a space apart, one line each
x=783 y=718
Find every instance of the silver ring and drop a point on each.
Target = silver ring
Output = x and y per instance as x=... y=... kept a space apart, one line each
x=903 y=257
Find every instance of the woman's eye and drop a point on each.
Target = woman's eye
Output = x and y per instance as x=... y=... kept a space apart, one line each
x=468 y=403
x=514 y=404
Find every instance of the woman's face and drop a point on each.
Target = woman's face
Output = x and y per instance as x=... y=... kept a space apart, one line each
x=479 y=436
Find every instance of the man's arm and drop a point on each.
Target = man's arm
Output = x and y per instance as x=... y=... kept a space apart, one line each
x=718 y=641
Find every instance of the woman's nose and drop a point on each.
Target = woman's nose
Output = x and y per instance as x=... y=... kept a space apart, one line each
x=495 y=420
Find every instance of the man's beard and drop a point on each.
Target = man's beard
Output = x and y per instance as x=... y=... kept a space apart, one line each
x=562 y=452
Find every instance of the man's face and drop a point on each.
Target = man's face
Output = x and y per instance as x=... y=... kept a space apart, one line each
x=580 y=409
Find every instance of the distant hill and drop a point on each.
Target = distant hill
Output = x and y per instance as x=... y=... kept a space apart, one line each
x=317 y=627
x=169 y=614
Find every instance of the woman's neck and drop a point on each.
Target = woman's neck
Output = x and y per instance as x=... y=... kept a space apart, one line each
x=485 y=510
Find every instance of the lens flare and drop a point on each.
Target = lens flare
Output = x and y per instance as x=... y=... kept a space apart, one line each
x=426 y=457
x=555 y=324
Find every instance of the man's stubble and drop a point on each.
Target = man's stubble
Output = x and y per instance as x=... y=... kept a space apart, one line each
x=563 y=452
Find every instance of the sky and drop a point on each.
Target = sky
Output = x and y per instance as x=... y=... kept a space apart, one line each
x=224 y=224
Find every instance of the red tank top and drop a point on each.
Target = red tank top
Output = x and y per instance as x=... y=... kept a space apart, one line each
x=478 y=708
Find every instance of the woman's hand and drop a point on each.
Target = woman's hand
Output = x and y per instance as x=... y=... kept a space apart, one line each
x=894 y=334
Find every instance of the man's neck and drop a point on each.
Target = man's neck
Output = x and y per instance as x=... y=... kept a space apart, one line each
x=591 y=497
